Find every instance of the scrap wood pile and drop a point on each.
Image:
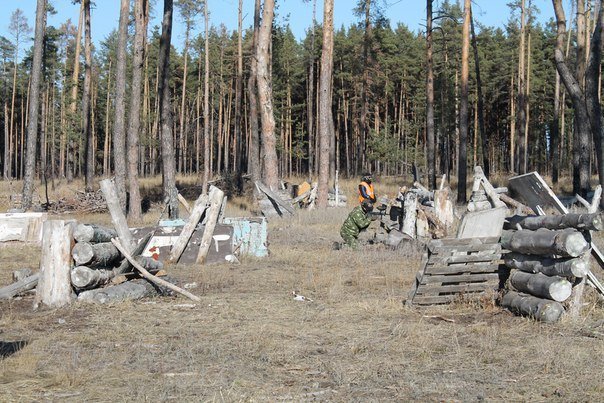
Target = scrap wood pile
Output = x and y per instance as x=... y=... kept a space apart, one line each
x=80 y=202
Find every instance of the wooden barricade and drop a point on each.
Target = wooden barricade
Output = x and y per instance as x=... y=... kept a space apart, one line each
x=456 y=266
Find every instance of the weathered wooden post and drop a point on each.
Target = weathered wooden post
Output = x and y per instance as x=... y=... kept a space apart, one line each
x=54 y=285
x=117 y=214
x=410 y=214
x=215 y=198
x=201 y=204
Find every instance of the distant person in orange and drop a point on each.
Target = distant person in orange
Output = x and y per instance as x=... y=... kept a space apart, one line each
x=366 y=191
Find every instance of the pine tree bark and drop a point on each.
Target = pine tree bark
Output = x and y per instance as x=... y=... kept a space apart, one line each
x=34 y=105
x=480 y=104
x=86 y=101
x=140 y=7
x=325 y=118
x=521 y=117
x=253 y=166
x=237 y=161
x=166 y=118
x=463 y=110
x=207 y=163
x=270 y=175
x=430 y=137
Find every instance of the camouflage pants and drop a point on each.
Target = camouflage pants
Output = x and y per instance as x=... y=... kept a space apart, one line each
x=349 y=240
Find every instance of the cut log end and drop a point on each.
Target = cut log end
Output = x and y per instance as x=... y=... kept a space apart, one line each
x=576 y=245
x=82 y=253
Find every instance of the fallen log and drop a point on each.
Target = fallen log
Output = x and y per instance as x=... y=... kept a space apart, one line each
x=545 y=242
x=83 y=277
x=516 y=204
x=540 y=309
x=117 y=214
x=14 y=289
x=591 y=222
x=275 y=198
x=150 y=277
x=542 y=286
x=93 y=233
x=129 y=290
x=98 y=254
x=216 y=198
x=570 y=267
x=54 y=287
x=201 y=204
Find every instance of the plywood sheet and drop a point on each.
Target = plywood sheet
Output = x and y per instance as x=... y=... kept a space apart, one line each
x=482 y=224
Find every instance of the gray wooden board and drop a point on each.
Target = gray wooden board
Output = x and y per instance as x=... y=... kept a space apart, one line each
x=164 y=237
x=441 y=250
x=464 y=242
x=463 y=259
x=458 y=288
x=472 y=268
x=458 y=278
x=481 y=224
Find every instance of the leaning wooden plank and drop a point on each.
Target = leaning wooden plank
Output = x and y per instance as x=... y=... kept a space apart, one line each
x=150 y=277
x=583 y=222
x=93 y=233
x=595 y=201
x=97 y=254
x=545 y=242
x=83 y=277
x=54 y=285
x=125 y=266
x=569 y=267
x=418 y=279
x=201 y=204
x=184 y=203
x=215 y=199
x=275 y=198
x=542 y=286
x=222 y=209
x=516 y=204
x=536 y=308
x=117 y=214
x=14 y=289
x=488 y=188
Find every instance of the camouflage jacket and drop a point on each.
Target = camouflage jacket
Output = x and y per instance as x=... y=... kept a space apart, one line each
x=355 y=222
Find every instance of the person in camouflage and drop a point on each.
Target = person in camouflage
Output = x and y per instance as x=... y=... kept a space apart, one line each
x=357 y=220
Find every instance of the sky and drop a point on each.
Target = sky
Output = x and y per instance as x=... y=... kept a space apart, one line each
x=105 y=15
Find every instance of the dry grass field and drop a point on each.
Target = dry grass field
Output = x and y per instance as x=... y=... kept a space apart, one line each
x=250 y=341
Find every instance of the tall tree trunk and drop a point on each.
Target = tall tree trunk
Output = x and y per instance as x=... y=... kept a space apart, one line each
x=431 y=152
x=555 y=136
x=463 y=110
x=483 y=135
x=207 y=163
x=140 y=7
x=237 y=161
x=581 y=147
x=311 y=91
x=166 y=119
x=119 y=120
x=521 y=117
x=86 y=100
x=325 y=118
x=34 y=104
x=367 y=38
x=254 y=148
x=269 y=152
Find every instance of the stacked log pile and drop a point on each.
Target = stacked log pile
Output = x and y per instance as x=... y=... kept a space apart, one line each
x=549 y=257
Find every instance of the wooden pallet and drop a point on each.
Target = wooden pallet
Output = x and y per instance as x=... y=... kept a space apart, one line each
x=453 y=267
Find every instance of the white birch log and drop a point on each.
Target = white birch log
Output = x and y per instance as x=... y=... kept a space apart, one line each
x=14 y=289
x=546 y=242
x=117 y=214
x=93 y=233
x=98 y=254
x=201 y=204
x=583 y=222
x=569 y=267
x=215 y=198
x=83 y=277
x=54 y=285
x=542 y=286
x=410 y=214
x=536 y=308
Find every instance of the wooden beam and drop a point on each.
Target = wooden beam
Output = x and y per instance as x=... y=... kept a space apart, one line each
x=274 y=197
x=14 y=289
x=117 y=214
x=201 y=204
x=215 y=198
